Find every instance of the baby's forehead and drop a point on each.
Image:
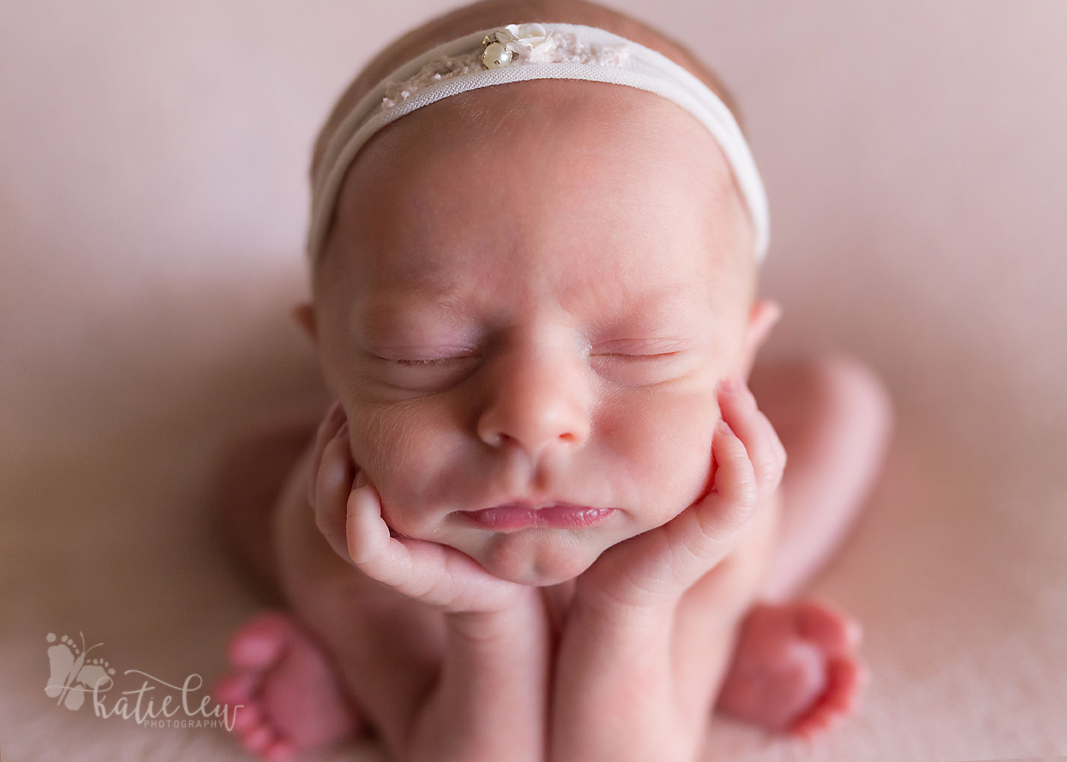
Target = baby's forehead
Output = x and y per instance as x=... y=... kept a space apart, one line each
x=546 y=169
x=552 y=132
x=556 y=174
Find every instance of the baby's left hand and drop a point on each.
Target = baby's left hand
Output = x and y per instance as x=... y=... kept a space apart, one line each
x=657 y=567
x=618 y=655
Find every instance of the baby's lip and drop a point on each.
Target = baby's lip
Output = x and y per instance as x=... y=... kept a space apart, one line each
x=523 y=515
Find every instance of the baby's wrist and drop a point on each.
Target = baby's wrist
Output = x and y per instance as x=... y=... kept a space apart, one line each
x=498 y=616
x=612 y=617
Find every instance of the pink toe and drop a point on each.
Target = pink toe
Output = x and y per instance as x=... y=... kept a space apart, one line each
x=816 y=720
x=261 y=641
x=259 y=739
x=845 y=679
x=247 y=718
x=279 y=751
x=235 y=688
x=812 y=725
x=829 y=628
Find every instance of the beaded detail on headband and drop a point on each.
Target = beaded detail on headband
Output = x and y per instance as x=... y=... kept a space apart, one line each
x=513 y=45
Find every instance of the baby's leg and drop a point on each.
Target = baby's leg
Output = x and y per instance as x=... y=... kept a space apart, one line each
x=794 y=667
x=290 y=695
x=252 y=477
x=834 y=417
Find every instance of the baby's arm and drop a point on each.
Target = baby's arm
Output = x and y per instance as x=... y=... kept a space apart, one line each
x=652 y=624
x=490 y=699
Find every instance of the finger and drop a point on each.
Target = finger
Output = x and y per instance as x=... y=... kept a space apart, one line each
x=735 y=476
x=333 y=483
x=764 y=448
x=427 y=571
x=740 y=410
x=367 y=535
x=737 y=389
x=331 y=423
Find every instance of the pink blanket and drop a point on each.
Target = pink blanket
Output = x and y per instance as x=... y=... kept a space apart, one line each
x=152 y=204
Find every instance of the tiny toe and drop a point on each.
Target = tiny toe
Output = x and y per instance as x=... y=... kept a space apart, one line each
x=853 y=631
x=831 y=629
x=258 y=739
x=246 y=719
x=261 y=641
x=839 y=699
x=279 y=751
x=815 y=720
x=812 y=725
x=236 y=687
x=844 y=681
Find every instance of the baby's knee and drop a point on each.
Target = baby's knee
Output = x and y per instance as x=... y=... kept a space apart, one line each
x=851 y=392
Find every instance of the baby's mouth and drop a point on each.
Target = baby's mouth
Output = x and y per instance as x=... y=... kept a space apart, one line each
x=515 y=516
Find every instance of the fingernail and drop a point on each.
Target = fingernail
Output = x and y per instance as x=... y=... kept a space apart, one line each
x=724 y=427
x=342 y=433
x=360 y=480
x=333 y=468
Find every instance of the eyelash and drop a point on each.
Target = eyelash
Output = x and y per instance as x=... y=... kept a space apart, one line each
x=424 y=363
x=420 y=363
x=626 y=356
x=437 y=362
x=656 y=349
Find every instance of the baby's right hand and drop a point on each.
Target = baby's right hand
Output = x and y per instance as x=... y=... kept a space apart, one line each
x=348 y=512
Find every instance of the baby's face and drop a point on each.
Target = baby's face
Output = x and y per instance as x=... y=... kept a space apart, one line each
x=525 y=308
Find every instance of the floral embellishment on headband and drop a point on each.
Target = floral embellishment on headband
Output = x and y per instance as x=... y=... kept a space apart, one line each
x=530 y=42
x=511 y=45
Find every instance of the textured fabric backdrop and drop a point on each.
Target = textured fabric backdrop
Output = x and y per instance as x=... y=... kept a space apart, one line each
x=152 y=205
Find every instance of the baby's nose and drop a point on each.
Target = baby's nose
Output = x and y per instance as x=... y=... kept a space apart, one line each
x=536 y=401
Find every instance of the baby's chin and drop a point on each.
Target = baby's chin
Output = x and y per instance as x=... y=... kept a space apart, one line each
x=537 y=557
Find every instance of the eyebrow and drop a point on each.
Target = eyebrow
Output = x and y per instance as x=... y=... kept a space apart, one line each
x=662 y=302
x=377 y=315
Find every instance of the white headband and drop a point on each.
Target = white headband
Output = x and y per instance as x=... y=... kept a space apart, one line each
x=524 y=52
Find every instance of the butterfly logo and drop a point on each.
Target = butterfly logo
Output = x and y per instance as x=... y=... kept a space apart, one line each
x=73 y=673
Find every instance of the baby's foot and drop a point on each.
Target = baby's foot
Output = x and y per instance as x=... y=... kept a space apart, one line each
x=795 y=668
x=292 y=701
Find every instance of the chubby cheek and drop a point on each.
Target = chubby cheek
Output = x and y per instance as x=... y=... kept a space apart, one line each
x=409 y=451
x=664 y=439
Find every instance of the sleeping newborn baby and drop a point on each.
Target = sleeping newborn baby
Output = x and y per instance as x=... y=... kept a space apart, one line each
x=545 y=518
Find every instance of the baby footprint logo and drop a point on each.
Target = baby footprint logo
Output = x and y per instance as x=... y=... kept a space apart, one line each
x=70 y=666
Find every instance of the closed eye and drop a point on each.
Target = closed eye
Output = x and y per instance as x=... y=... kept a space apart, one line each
x=424 y=357
x=641 y=362
x=424 y=374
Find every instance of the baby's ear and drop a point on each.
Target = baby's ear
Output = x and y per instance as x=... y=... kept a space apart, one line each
x=305 y=318
x=761 y=318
